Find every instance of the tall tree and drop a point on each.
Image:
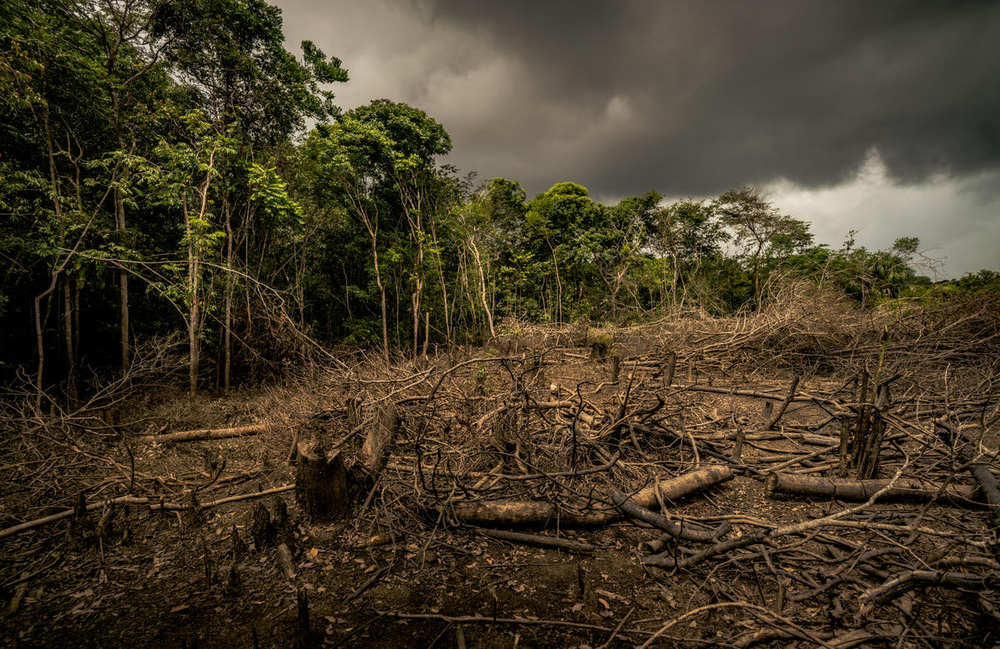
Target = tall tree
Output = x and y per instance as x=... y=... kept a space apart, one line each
x=760 y=230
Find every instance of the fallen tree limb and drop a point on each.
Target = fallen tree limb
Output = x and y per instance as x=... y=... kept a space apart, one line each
x=861 y=490
x=632 y=510
x=979 y=469
x=153 y=503
x=910 y=579
x=208 y=433
x=784 y=404
x=536 y=539
x=524 y=513
x=662 y=560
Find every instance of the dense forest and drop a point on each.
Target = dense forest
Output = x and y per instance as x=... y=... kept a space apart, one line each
x=172 y=178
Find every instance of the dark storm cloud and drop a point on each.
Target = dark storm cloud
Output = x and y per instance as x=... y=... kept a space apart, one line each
x=722 y=94
x=694 y=98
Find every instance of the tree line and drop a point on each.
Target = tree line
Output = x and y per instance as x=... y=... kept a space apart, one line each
x=158 y=182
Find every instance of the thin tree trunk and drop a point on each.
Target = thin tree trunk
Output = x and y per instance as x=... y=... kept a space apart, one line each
x=68 y=339
x=381 y=290
x=227 y=350
x=57 y=208
x=482 y=285
x=555 y=264
x=444 y=286
x=193 y=311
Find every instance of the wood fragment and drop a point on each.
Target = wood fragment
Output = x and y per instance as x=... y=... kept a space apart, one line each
x=378 y=445
x=285 y=561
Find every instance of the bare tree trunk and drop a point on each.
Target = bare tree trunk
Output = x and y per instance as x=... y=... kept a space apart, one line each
x=68 y=339
x=227 y=349
x=193 y=311
x=482 y=285
x=444 y=286
x=381 y=290
x=555 y=263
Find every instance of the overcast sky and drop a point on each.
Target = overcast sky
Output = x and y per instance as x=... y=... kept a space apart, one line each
x=876 y=116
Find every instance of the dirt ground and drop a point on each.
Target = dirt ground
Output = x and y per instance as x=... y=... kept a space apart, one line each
x=402 y=569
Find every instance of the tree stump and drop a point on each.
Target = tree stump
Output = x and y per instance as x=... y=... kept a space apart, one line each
x=375 y=450
x=353 y=412
x=320 y=485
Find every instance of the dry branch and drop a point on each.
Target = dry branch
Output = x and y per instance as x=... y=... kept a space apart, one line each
x=632 y=510
x=154 y=505
x=909 y=579
x=979 y=469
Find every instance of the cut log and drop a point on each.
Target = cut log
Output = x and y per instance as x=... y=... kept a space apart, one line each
x=683 y=485
x=861 y=490
x=375 y=451
x=525 y=513
x=208 y=433
x=535 y=539
x=321 y=485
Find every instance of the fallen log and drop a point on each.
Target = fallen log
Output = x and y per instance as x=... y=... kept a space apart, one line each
x=861 y=490
x=525 y=513
x=535 y=513
x=208 y=433
x=683 y=485
x=535 y=539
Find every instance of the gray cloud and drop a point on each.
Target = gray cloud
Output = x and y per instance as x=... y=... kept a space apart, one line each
x=685 y=97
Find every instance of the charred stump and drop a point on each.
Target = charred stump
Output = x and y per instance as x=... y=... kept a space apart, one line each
x=320 y=484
